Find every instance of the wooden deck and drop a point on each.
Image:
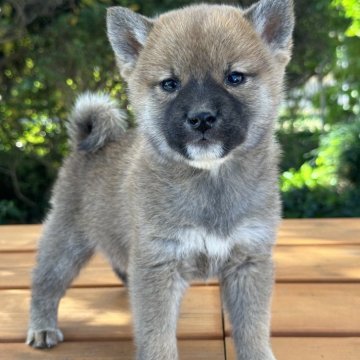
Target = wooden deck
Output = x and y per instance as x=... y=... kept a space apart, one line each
x=316 y=305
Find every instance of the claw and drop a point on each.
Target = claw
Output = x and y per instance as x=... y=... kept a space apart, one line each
x=41 y=339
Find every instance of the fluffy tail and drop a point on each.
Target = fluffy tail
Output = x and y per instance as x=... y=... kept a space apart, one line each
x=95 y=120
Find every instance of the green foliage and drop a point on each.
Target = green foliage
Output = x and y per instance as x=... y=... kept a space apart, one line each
x=52 y=50
x=41 y=71
x=351 y=9
x=9 y=210
x=328 y=184
x=297 y=147
x=321 y=202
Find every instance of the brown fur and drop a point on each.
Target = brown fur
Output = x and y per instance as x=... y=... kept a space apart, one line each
x=164 y=205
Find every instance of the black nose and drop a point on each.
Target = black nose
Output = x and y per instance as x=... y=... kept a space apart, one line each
x=202 y=121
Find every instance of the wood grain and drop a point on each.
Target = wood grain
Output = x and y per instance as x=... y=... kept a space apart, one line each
x=291 y=232
x=16 y=268
x=317 y=263
x=309 y=348
x=19 y=237
x=319 y=232
x=315 y=310
x=104 y=314
x=293 y=264
x=15 y=272
x=110 y=350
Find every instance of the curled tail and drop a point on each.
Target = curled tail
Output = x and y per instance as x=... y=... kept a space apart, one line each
x=95 y=120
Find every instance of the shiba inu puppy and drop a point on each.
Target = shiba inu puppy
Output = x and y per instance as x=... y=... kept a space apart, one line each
x=192 y=191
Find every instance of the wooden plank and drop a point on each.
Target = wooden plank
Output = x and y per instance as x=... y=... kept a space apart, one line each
x=104 y=314
x=19 y=237
x=319 y=232
x=315 y=310
x=291 y=232
x=317 y=263
x=293 y=264
x=309 y=348
x=15 y=272
x=110 y=350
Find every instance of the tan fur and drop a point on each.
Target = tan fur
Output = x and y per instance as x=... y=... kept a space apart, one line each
x=168 y=202
x=211 y=30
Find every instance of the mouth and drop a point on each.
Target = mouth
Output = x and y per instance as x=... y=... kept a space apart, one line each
x=204 y=149
x=203 y=140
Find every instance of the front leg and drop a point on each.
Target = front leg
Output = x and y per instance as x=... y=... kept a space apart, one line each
x=156 y=290
x=246 y=283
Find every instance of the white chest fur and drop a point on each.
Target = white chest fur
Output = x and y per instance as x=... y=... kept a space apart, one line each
x=194 y=241
x=251 y=235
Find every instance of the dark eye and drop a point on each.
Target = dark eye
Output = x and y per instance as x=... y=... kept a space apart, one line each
x=170 y=85
x=235 y=78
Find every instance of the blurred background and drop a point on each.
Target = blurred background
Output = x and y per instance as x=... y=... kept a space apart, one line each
x=51 y=50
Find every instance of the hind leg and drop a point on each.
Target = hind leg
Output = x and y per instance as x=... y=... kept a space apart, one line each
x=122 y=275
x=62 y=252
x=118 y=257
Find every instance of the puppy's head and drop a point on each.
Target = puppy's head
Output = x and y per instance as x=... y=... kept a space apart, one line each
x=207 y=79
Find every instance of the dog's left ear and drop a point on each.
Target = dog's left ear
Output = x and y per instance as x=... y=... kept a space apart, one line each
x=274 y=21
x=127 y=32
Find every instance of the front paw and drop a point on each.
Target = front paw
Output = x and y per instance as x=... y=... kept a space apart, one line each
x=46 y=338
x=269 y=355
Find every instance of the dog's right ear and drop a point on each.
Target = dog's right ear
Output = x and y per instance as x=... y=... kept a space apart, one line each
x=127 y=32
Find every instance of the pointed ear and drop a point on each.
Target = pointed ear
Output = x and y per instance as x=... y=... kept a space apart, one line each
x=127 y=32
x=274 y=21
